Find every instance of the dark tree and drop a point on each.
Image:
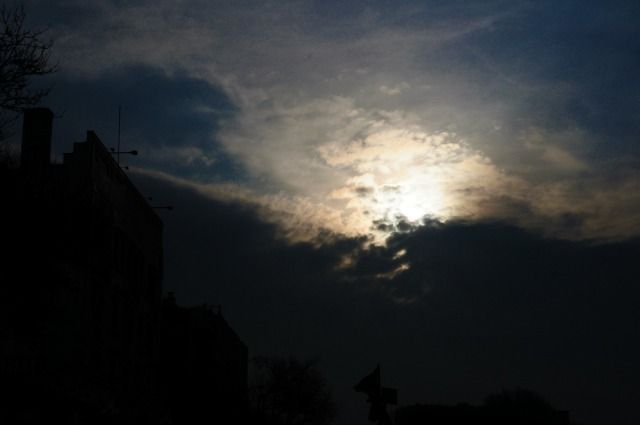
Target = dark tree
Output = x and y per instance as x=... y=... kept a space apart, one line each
x=24 y=53
x=518 y=399
x=522 y=406
x=290 y=392
x=8 y=156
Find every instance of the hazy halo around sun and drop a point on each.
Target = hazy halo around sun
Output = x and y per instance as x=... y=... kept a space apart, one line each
x=400 y=175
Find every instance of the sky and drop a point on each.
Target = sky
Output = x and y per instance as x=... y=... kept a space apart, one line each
x=448 y=188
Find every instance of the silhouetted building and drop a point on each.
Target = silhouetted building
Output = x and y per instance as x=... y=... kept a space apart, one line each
x=84 y=279
x=203 y=365
x=82 y=296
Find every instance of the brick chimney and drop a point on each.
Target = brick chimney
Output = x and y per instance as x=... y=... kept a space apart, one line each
x=36 y=140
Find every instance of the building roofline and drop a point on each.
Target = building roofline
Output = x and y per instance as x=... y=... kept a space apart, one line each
x=94 y=140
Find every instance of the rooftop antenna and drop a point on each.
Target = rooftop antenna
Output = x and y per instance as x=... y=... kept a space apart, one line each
x=117 y=151
x=118 y=154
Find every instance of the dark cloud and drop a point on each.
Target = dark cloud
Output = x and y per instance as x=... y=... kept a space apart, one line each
x=363 y=191
x=491 y=305
x=170 y=119
x=560 y=223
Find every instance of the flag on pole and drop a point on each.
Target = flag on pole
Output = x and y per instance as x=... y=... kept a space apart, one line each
x=389 y=395
x=370 y=384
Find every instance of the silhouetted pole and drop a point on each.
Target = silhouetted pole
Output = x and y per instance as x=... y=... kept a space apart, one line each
x=379 y=397
x=118 y=155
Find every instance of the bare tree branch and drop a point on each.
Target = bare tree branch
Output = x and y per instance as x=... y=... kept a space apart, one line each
x=24 y=53
x=290 y=392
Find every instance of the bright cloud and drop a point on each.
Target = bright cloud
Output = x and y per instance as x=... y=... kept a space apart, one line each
x=348 y=125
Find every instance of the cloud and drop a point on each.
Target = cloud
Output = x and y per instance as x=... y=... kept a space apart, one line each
x=170 y=119
x=186 y=157
x=464 y=111
x=289 y=135
x=483 y=305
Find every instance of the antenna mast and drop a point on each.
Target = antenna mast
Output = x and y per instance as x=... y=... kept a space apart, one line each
x=118 y=151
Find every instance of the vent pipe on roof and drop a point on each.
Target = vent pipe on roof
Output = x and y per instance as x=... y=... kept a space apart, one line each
x=36 y=140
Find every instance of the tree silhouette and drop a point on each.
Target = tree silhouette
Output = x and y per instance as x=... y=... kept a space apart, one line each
x=24 y=53
x=524 y=407
x=518 y=399
x=289 y=392
x=8 y=157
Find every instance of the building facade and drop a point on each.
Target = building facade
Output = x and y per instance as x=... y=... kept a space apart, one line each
x=204 y=365
x=80 y=319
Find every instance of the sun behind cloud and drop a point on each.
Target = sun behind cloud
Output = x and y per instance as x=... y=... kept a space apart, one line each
x=400 y=175
x=358 y=126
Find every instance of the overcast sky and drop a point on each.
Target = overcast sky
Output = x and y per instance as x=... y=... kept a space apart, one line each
x=449 y=188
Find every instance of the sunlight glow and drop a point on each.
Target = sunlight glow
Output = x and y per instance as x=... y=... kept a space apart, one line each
x=398 y=176
x=412 y=202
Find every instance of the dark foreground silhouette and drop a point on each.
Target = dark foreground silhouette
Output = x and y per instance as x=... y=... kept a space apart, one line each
x=517 y=407
x=85 y=336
